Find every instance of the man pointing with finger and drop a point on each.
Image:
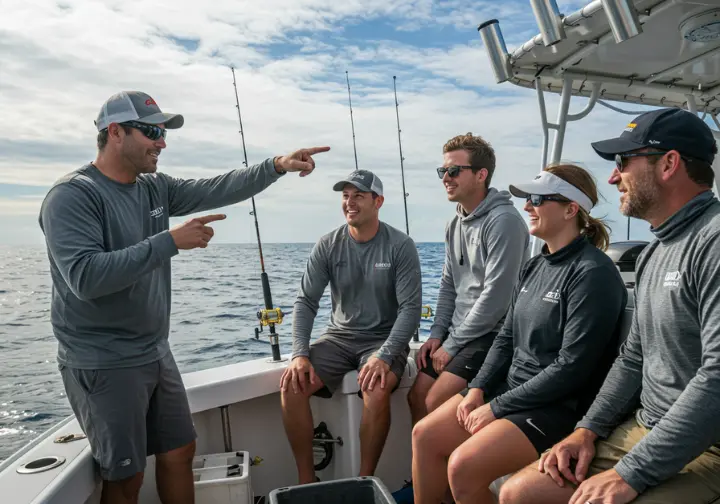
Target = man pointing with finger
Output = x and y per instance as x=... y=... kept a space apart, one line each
x=106 y=227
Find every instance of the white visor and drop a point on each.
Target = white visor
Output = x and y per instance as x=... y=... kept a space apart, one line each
x=547 y=183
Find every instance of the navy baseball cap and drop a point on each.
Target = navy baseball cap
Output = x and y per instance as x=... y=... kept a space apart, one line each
x=364 y=180
x=663 y=129
x=135 y=106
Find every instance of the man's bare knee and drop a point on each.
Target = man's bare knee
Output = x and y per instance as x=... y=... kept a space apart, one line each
x=181 y=455
x=291 y=397
x=129 y=488
x=522 y=488
x=513 y=492
x=377 y=398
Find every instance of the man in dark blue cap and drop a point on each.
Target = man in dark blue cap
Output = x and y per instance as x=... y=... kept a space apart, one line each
x=666 y=448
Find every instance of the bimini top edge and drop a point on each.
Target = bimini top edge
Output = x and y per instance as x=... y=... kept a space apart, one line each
x=651 y=52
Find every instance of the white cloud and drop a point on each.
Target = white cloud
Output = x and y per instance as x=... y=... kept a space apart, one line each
x=61 y=61
x=24 y=205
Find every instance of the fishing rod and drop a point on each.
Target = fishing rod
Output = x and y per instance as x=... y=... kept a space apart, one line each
x=628 y=229
x=268 y=316
x=402 y=167
x=426 y=309
x=352 y=123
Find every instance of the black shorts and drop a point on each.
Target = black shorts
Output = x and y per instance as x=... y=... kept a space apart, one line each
x=467 y=362
x=543 y=426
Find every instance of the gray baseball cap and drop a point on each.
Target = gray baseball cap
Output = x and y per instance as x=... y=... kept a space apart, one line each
x=364 y=180
x=135 y=106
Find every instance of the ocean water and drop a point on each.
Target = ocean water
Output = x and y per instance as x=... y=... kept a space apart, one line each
x=216 y=295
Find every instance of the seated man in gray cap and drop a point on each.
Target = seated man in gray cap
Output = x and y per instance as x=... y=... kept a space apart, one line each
x=375 y=282
x=109 y=245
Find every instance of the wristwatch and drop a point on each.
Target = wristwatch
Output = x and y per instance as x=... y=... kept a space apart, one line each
x=281 y=172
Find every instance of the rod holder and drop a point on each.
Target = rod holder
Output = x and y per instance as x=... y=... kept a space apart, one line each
x=549 y=20
x=226 y=428
x=623 y=19
x=496 y=49
x=275 y=348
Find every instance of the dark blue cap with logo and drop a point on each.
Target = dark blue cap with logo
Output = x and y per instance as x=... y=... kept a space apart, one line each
x=364 y=180
x=664 y=129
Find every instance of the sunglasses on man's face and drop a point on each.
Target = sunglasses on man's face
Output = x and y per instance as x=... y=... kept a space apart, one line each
x=537 y=199
x=151 y=131
x=452 y=171
x=620 y=158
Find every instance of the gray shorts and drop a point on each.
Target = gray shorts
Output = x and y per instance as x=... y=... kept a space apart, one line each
x=333 y=356
x=130 y=413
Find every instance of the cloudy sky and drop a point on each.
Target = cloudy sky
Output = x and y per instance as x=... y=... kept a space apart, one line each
x=60 y=60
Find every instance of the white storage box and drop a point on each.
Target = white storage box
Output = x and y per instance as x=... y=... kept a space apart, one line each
x=223 y=478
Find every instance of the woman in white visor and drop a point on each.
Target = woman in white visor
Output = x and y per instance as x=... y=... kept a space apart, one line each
x=547 y=362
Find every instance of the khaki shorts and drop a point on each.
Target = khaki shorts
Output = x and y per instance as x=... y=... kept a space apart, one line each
x=697 y=483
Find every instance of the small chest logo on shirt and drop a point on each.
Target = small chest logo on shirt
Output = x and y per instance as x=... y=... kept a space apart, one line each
x=382 y=265
x=672 y=279
x=158 y=212
x=552 y=297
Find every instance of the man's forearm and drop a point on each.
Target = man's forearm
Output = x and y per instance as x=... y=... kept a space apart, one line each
x=617 y=397
x=405 y=325
x=303 y=318
x=444 y=310
x=189 y=196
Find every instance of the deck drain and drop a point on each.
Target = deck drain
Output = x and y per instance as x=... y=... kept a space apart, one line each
x=40 y=465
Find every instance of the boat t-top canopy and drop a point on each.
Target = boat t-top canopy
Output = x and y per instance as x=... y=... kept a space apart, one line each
x=662 y=53
x=650 y=52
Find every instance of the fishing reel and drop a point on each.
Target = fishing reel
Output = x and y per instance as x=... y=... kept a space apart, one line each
x=271 y=317
x=266 y=317
x=426 y=312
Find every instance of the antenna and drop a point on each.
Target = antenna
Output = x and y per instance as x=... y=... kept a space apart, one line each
x=352 y=123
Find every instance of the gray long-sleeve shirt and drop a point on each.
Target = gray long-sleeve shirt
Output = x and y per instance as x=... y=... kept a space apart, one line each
x=109 y=249
x=475 y=292
x=671 y=357
x=375 y=287
x=565 y=312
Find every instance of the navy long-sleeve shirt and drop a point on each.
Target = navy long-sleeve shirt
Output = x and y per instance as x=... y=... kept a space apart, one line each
x=565 y=311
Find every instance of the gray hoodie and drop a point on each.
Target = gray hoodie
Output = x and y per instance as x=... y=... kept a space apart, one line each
x=484 y=252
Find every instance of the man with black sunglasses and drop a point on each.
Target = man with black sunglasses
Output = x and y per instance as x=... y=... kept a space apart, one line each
x=109 y=244
x=486 y=244
x=652 y=434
